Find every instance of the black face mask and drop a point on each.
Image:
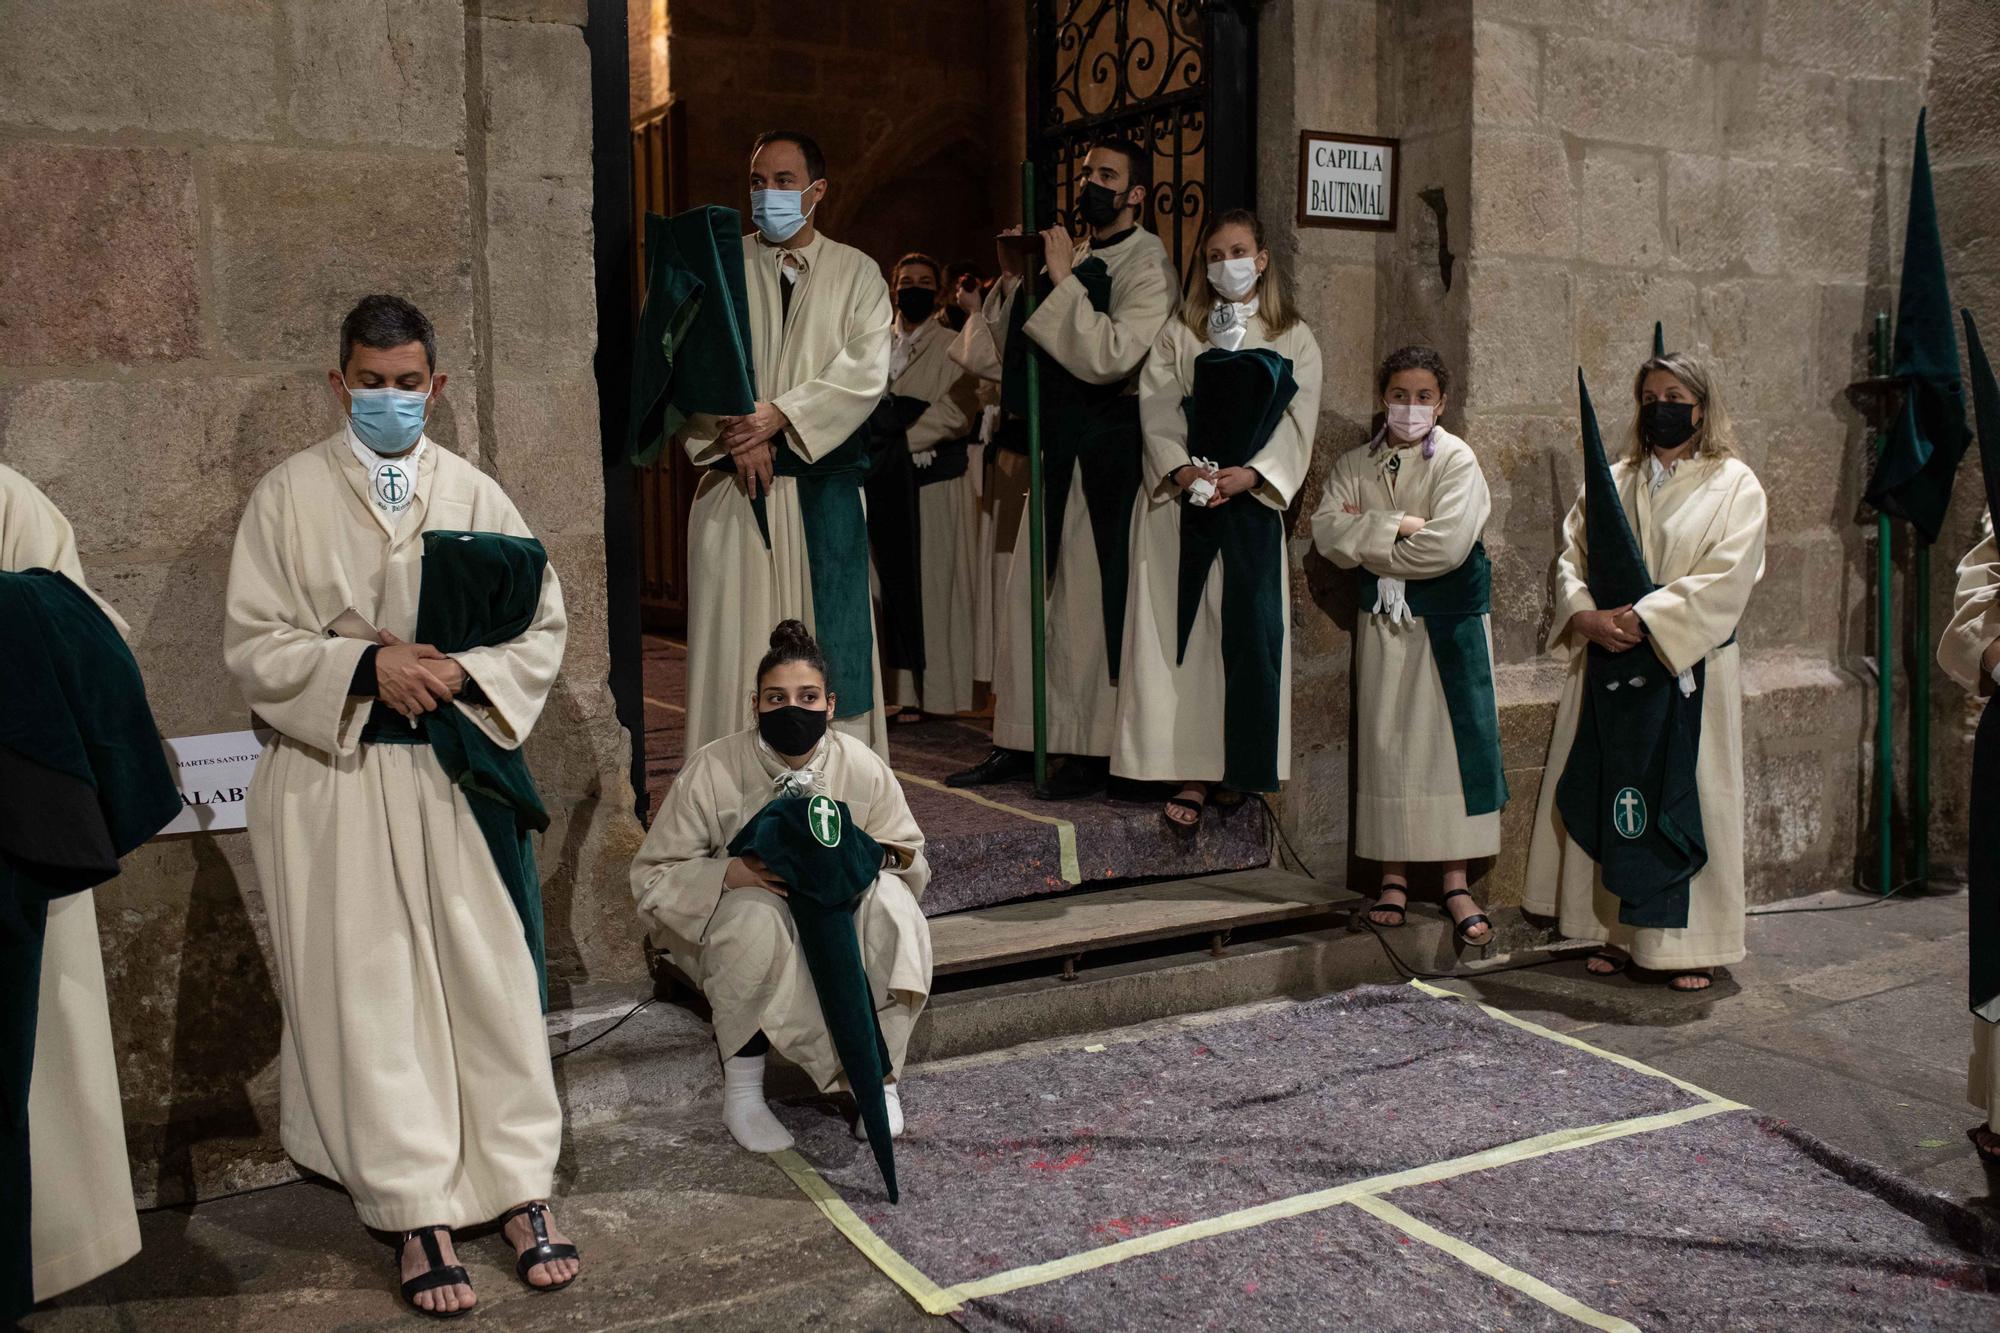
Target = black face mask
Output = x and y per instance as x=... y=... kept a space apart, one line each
x=1098 y=204
x=1664 y=425
x=916 y=303
x=792 y=731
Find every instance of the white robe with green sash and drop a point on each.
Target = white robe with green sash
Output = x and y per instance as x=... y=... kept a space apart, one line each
x=1702 y=535
x=83 y=1221
x=826 y=366
x=740 y=945
x=947 y=530
x=413 y=1065
x=1409 y=800
x=1098 y=347
x=1169 y=715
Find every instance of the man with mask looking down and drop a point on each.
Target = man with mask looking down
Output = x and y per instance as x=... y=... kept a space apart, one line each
x=776 y=531
x=1101 y=306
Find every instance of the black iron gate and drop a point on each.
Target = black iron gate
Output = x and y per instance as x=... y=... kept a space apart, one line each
x=1176 y=75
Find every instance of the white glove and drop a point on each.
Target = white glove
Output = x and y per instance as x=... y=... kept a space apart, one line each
x=924 y=458
x=1203 y=489
x=1392 y=601
x=975 y=466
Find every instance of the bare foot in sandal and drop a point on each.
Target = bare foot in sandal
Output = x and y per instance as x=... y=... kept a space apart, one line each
x=1691 y=981
x=1607 y=962
x=1183 y=810
x=1389 y=911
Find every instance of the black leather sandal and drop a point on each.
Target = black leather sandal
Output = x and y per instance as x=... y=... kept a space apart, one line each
x=542 y=1251
x=1401 y=909
x=1618 y=961
x=1459 y=928
x=439 y=1274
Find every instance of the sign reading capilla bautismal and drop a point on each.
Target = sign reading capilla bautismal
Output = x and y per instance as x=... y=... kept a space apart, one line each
x=1348 y=180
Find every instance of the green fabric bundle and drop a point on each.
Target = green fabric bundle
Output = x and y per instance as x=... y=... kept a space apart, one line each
x=1982 y=874
x=1238 y=400
x=693 y=352
x=481 y=589
x=1914 y=473
x=1092 y=427
x=83 y=781
x=1453 y=607
x=1628 y=794
x=827 y=863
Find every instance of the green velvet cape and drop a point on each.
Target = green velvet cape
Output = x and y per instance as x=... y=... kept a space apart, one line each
x=1238 y=399
x=692 y=353
x=1628 y=795
x=827 y=862
x=83 y=780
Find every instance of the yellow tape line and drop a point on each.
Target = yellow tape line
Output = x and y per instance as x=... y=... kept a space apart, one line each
x=1480 y=1261
x=1598 y=1051
x=1506 y=1154
x=1072 y=870
x=926 y=1293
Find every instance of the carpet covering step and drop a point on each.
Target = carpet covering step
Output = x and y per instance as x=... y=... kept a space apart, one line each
x=1078 y=923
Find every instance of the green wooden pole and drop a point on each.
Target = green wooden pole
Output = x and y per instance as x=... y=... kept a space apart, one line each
x=1038 y=629
x=1885 y=753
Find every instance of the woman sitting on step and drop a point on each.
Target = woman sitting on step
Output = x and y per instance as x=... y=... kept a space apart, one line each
x=724 y=919
x=1405 y=513
x=1228 y=401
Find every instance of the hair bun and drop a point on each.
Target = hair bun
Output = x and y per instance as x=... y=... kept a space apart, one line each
x=791 y=634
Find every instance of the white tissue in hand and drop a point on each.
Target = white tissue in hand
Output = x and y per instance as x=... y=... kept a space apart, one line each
x=924 y=458
x=989 y=421
x=1203 y=489
x=1686 y=679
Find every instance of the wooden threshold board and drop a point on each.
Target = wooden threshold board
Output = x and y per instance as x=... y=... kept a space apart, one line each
x=1076 y=923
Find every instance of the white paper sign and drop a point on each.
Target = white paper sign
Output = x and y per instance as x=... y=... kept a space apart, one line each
x=214 y=774
x=1347 y=180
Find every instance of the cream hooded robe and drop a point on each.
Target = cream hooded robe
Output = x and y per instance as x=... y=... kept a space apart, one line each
x=414 y=1064
x=740 y=945
x=1169 y=724
x=979 y=349
x=81 y=1186
x=1975 y=624
x=947 y=527
x=1098 y=348
x=1702 y=534
x=1409 y=803
x=826 y=366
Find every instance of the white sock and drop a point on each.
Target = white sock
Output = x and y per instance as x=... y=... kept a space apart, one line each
x=744 y=1109
x=893 y=1104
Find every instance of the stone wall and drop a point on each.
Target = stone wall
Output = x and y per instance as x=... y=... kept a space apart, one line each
x=189 y=200
x=1736 y=171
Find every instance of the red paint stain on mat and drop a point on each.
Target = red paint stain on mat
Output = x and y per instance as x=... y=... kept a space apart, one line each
x=1250 y=1287
x=1069 y=1163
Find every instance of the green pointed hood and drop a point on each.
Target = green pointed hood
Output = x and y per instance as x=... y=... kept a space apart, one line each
x=1659 y=339
x=1617 y=569
x=1986 y=411
x=1913 y=476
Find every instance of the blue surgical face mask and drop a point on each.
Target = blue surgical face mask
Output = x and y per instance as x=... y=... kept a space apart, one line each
x=777 y=213
x=387 y=420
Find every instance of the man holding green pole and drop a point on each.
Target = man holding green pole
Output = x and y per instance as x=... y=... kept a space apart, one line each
x=1102 y=305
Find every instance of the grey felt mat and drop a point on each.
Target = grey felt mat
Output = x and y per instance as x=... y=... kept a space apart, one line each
x=1722 y=1222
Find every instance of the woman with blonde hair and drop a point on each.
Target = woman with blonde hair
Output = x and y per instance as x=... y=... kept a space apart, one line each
x=1688 y=524
x=1228 y=400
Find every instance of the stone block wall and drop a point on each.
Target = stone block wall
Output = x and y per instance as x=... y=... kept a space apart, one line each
x=1737 y=171
x=190 y=198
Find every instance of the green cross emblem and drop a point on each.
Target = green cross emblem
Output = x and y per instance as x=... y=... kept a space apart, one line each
x=1628 y=812
x=823 y=818
x=393 y=485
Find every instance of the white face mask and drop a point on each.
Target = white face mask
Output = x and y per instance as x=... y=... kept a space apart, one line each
x=1410 y=421
x=1233 y=279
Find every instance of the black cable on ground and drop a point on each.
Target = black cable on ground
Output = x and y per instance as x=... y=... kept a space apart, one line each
x=1837 y=907
x=599 y=1036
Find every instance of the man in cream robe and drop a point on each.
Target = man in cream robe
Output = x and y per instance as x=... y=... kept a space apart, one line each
x=1410 y=799
x=1700 y=527
x=84 y=1222
x=1971 y=643
x=820 y=331
x=1170 y=714
x=1097 y=347
x=947 y=523
x=414 y=1062
x=741 y=945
